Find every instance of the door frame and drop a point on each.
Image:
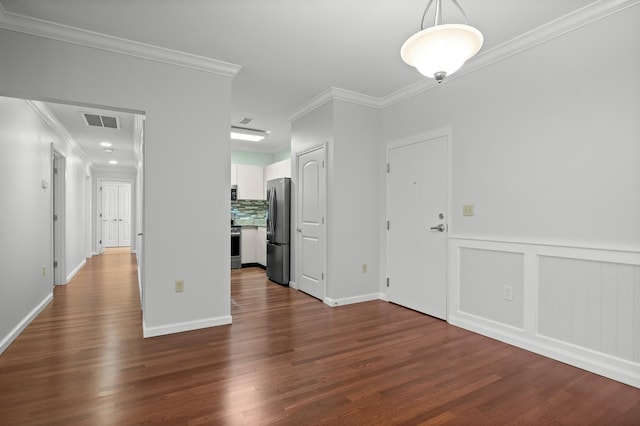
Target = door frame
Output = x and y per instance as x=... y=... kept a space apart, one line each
x=58 y=208
x=323 y=209
x=99 y=182
x=410 y=140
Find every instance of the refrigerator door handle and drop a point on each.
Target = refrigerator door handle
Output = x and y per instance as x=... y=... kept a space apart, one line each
x=274 y=212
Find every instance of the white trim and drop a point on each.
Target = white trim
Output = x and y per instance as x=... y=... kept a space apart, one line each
x=559 y=244
x=595 y=362
x=351 y=300
x=179 y=327
x=332 y=94
x=44 y=112
x=13 y=334
x=76 y=270
x=54 y=31
x=292 y=284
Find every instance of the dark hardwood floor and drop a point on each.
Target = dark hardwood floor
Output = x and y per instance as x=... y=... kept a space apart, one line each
x=287 y=359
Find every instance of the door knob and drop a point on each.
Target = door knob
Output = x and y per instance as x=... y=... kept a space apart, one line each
x=299 y=229
x=439 y=228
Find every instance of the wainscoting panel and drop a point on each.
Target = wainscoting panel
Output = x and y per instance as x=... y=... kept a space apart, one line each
x=579 y=305
x=484 y=275
x=591 y=304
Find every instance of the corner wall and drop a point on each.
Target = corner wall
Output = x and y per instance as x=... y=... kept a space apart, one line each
x=187 y=155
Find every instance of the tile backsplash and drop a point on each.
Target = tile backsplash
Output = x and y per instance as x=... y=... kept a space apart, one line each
x=249 y=212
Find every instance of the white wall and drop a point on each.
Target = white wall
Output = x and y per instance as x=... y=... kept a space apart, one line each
x=186 y=163
x=545 y=145
x=26 y=243
x=353 y=203
x=350 y=131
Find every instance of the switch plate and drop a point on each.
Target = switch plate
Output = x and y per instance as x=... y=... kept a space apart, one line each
x=179 y=286
x=507 y=293
x=467 y=210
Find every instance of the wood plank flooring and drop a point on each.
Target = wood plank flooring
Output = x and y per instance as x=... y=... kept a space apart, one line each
x=286 y=359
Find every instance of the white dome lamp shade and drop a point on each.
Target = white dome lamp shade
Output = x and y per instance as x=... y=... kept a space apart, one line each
x=441 y=50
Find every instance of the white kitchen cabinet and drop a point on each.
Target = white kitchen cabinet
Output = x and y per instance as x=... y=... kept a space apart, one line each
x=276 y=170
x=284 y=168
x=248 y=252
x=261 y=246
x=234 y=174
x=250 y=182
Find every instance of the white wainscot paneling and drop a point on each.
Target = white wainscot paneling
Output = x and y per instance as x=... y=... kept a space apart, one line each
x=595 y=305
x=579 y=305
x=484 y=274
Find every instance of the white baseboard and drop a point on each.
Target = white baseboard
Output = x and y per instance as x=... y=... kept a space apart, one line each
x=595 y=362
x=76 y=270
x=9 y=338
x=161 y=330
x=293 y=284
x=351 y=300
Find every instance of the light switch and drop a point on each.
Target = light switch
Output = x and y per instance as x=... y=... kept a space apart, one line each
x=467 y=210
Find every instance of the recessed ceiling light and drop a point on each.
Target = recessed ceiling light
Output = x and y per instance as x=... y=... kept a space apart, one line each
x=105 y=144
x=108 y=150
x=113 y=162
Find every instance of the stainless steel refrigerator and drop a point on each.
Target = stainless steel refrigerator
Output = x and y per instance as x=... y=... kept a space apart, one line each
x=278 y=229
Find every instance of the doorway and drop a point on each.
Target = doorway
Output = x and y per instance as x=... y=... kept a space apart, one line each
x=58 y=172
x=417 y=207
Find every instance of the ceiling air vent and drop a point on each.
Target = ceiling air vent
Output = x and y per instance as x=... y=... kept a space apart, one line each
x=246 y=121
x=101 y=121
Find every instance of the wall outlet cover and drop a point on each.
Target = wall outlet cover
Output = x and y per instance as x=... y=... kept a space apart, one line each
x=179 y=286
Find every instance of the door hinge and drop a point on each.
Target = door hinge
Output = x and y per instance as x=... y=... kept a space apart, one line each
x=387 y=281
x=100 y=188
x=55 y=217
x=55 y=263
x=100 y=214
x=323 y=164
x=388 y=225
x=323 y=220
x=388 y=168
x=323 y=276
x=55 y=170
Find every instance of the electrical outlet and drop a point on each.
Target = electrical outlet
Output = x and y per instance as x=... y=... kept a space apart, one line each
x=364 y=268
x=507 y=293
x=179 y=286
x=467 y=210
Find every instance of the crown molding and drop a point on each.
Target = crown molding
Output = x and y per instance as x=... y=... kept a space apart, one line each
x=54 y=31
x=336 y=94
x=47 y=116
x=586 y=15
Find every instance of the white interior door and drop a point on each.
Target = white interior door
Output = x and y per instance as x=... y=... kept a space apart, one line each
x=116 y=214
x=417 y=194
x=110 y=228
x=310 y=230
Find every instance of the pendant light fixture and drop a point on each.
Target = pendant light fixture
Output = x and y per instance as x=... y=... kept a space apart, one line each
x=441 y=50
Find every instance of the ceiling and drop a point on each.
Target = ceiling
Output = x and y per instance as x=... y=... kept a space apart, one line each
x=292 y=50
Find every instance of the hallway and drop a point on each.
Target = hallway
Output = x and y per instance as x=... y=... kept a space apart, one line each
x=287 y=359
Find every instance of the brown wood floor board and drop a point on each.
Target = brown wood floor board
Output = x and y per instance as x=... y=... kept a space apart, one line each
x=286 y=359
